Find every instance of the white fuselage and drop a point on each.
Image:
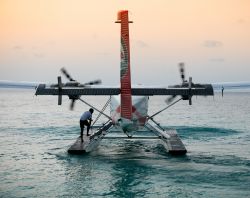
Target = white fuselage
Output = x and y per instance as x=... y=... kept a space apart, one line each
x=139 y=113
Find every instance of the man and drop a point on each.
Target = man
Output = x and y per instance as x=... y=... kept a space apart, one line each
x=86 y=119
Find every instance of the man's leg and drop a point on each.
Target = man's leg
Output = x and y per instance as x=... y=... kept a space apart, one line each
x=88 y=126
x=86 y=123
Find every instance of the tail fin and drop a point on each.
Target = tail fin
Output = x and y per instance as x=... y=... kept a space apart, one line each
x=125 y=78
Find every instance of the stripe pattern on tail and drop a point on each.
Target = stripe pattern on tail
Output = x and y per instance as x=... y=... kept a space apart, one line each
x=125 y=78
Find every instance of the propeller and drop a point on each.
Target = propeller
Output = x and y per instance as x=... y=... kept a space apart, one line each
x=170 y=99
x=94 y=82
x=185 y=83
x=73 y=83
x=182 y=72
x=64 y=71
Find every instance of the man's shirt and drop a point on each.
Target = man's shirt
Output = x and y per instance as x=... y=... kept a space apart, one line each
x=86 y=116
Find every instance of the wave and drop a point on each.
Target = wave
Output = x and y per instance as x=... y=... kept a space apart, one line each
x=204 y=132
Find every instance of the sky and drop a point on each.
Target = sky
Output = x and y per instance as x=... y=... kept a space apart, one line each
x=212 y=38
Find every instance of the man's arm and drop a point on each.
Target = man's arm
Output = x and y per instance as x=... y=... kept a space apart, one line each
x=90 y=120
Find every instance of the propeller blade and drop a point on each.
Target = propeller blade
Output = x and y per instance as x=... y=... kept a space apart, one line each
x=182 y=71
x=73 y=99
x=64 y=71
x=170 y=99
x=94 y=82
x=72 y=104
x=190 y=100
x=190 y=88
x=59 y=80
x=59 y=99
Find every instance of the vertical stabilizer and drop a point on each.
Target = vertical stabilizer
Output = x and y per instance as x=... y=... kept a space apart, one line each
x=125 y=78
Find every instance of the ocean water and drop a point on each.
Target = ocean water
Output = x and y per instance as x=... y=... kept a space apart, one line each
x=35 y=134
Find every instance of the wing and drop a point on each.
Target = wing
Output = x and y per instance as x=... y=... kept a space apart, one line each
x=231 y=85
x=204 y=90
x=48 y=89
x=44 y=89
x=18 y=85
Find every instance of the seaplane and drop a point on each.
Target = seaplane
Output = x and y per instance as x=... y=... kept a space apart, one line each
x=128 y=104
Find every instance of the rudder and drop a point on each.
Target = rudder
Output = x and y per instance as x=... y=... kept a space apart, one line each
x=125 y=77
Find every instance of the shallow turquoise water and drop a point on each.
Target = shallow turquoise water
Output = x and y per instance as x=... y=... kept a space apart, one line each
x=35 y=134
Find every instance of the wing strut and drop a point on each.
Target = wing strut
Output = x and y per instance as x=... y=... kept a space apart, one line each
x=103 y=109
x=151 y=117
x=95 y=109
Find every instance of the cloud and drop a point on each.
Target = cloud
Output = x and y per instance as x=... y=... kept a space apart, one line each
x=241 y=21
x=142 y=44
x=37 y=52
x=217 y=60
x=212 y=44
x=52 y=42
x=94 y=36
x=17 y=47
x=39 y=55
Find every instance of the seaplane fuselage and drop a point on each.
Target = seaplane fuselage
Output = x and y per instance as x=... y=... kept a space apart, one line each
x=138 y=116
